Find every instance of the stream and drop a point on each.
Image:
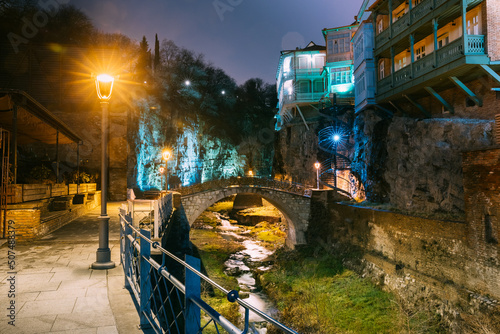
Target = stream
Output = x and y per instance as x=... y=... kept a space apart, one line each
x=240 y=264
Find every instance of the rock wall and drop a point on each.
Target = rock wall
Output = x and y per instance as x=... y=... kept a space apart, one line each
x=416 y=164
x=421 y=259
x=296 y=151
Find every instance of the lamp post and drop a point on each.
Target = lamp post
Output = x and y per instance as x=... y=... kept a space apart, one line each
x=336 y=139
x=317 y=165
x=166 y=156
x=104 y=87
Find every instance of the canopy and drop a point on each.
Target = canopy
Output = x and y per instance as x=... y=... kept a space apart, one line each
x=35 y=123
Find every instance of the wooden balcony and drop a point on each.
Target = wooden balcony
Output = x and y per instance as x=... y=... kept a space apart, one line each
x=447 y=61
x=418 y=20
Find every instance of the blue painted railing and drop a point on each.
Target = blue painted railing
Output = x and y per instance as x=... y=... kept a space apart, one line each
x=166 y=304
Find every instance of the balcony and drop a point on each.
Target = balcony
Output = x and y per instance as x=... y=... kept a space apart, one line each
x=416 y=18
x=445 y=60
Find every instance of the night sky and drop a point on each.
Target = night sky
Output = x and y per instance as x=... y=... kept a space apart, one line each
x=244 y=38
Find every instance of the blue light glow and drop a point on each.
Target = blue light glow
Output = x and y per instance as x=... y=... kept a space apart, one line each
x=343 y=88
x=195 y=157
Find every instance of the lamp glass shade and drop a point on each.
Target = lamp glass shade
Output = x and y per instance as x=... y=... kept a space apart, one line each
x=162 y=170
x=166 y=155
x=104 y=86
x=316 y=165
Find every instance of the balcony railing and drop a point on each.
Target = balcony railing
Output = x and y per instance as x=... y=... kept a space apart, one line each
x=474 y=45
x=401 y=24
x=308 y=71
x=414 y=17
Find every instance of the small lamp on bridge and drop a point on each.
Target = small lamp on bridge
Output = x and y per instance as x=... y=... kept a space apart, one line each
x=317 y=165
x=250 y=173
x=104 y=87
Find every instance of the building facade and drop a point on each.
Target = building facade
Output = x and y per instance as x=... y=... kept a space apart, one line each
x=431 y=57
x=299 y=82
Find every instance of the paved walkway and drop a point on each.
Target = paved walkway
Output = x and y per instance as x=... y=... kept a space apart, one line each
x=57 y=292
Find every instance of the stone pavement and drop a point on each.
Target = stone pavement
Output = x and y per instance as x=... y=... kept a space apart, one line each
x=56 y=291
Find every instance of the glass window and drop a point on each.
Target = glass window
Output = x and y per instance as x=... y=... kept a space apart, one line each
x=341 y=75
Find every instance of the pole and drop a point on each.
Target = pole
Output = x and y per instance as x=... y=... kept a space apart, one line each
x=335 y=166
x=317 y=178
x=103 y=255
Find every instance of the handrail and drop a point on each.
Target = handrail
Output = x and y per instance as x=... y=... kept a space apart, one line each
x=232 y=295
x=281 y=185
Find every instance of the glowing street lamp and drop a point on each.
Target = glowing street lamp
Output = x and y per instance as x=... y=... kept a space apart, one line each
x=317 y=165
x=250 y=173
x=187 y=83
x=336 y=139
x=166 y=154
x=104 y=87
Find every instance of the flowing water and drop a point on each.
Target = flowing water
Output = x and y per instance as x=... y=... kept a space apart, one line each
x=240 y=264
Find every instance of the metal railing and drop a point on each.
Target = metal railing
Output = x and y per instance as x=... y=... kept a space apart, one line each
x=166 y=304
x=281 y=185
x=150 y=214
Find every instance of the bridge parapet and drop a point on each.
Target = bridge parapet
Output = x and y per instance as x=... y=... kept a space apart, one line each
x=286 y=186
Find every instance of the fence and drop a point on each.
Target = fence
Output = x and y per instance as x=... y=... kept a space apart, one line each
x=150 y=214
x=166 y=304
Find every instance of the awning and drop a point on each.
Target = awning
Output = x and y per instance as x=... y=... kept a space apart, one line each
x=35 y=123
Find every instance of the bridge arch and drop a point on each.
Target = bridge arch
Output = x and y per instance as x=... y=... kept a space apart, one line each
x=295 y=208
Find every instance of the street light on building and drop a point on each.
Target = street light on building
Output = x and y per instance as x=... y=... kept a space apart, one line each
x=166 y=154
x=317 y=165
x=104 y=87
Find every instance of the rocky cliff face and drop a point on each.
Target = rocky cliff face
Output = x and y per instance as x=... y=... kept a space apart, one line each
x=416 y=164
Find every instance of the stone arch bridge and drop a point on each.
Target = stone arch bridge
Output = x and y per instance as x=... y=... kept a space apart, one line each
x=291 y=199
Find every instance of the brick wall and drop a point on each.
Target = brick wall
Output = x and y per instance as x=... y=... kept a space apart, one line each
x=481 y=171
x=32 y=221
x=492 y=22
x=424 y=256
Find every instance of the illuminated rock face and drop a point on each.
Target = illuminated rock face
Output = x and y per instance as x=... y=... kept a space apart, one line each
x=416 y=165
x=197 y=157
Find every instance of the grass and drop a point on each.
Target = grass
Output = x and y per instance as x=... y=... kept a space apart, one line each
x=318 y=295
x=224 y=207
x=214 y=251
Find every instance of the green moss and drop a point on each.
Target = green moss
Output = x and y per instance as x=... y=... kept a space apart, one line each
x=318 y=295
x=214 y=251
x=221 y=207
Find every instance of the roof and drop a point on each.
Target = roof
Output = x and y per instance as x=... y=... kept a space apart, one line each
x=309 y=47
x=35 y=123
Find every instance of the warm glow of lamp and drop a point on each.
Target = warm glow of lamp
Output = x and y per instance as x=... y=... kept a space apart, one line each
x=162 y=170
x=104 y=86
x=317 y=165
x=166 y=155
x=250 y=173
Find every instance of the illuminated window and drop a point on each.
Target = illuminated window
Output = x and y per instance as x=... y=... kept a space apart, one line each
x=303 y=62
x=443 y=40
x=288 y=87
x=380 y=26
x=341 y=75
x=420 y=52
x=319 y=62
x=286 y=64
x=381 y=68
x=473 y=25
x=416 y=2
